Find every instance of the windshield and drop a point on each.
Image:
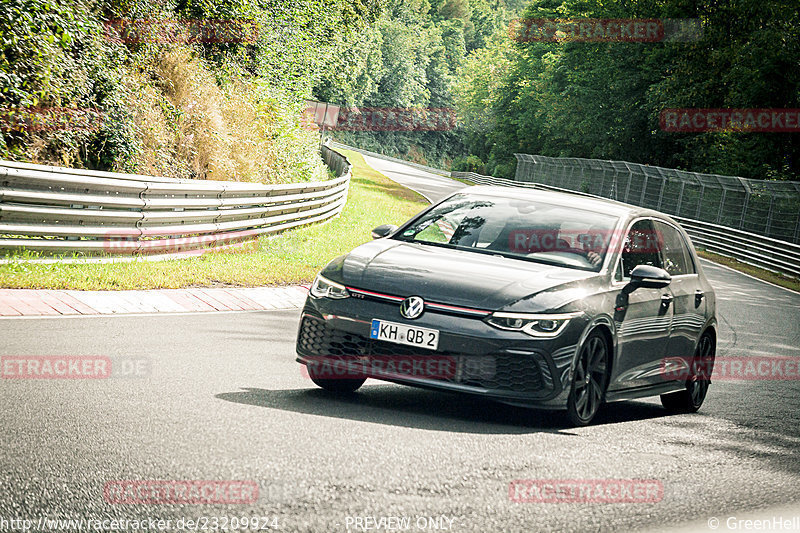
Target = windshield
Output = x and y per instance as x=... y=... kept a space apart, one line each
x=522 y=229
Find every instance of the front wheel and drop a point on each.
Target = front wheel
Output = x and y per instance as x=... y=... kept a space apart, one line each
x=589 y=380
x=690 y=400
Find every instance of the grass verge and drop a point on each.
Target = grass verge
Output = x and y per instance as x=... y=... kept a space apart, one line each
x=291 y=257
x=760 y=273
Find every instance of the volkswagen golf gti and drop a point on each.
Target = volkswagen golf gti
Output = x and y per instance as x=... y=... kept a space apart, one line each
x=522 y=296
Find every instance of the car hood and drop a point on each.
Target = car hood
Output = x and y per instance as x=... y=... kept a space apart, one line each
x=454 y=277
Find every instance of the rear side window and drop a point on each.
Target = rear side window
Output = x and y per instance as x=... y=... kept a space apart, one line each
x=640 y=247
x=674 y=250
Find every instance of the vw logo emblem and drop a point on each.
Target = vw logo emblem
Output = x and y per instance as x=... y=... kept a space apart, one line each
x=412 y=307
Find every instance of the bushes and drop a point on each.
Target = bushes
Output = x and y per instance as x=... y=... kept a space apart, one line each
x=471 y=163
x=188 y=111
x=54 y=57
x=604 y=99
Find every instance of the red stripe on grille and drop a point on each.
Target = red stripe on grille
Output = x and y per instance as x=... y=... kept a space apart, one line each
x=427 y=304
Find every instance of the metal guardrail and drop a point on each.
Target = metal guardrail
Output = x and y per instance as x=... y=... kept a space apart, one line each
x=57 y=210
x=480 y=179
x=757 y=250
x=376 y=155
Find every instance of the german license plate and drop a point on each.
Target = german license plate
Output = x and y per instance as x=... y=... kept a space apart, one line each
x=383 y=330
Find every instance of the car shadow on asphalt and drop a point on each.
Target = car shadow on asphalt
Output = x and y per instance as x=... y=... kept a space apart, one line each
x=421 y=409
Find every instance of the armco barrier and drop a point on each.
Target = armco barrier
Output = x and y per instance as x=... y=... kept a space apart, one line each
x=376 y=155
x=59 y=210
x=751 y=248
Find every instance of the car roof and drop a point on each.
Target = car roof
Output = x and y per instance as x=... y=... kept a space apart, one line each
x=567 y=199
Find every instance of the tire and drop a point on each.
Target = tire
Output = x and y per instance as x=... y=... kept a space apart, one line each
x=589 y=380
x=690 y=400
x=340 y=386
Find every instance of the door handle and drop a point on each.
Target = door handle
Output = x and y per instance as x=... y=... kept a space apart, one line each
x=698 y=297
x=666 y=299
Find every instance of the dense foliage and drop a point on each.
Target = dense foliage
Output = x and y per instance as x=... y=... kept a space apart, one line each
x=205 y=105
x=230 y=109
x=603 y=100
x=410 y=58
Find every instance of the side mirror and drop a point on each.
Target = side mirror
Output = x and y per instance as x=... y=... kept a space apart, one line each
x=382 y=231
x=649 y=277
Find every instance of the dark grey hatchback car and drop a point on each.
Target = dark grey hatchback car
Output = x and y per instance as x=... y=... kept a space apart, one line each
x=526 y=297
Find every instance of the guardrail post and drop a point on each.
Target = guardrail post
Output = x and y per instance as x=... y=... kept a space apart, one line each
x=700 y=201
x=528 y=171
x=721 y=204
x=744 y=210
x=614 y=192
x=644 y=189
x=630 y=179
x=797 y=230
x=571 y=173
x=680 y=199
x=769 y=215
x=661 y=192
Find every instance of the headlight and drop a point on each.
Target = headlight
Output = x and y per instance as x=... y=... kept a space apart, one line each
x=325 y=288
x=532 y=324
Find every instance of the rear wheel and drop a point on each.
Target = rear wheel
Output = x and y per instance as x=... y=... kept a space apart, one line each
x=589 y=380
x=335 y=385
x=690 y=400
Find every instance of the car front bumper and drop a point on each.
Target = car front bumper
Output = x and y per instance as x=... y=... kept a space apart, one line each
x=472 y=357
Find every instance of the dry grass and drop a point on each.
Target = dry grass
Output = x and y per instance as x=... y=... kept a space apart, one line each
x=202 y=138
x=190 y=127
x=172 y=118
x=760 y=273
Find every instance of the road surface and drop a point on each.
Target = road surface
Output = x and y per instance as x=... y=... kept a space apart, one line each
x=218 y=396
x=431 y=186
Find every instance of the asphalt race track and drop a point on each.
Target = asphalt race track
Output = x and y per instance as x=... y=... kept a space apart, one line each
x=218 y=396
x=431 y=186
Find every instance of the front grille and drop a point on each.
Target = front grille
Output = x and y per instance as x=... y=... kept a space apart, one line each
x=316 y=338
x=513 y=372
x=516 y=372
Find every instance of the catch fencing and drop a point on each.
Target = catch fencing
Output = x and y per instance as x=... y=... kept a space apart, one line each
x=768 y=208
x=679 y=199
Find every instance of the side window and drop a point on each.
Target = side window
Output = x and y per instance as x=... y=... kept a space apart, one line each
x=640 y=247
x=675 y=253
